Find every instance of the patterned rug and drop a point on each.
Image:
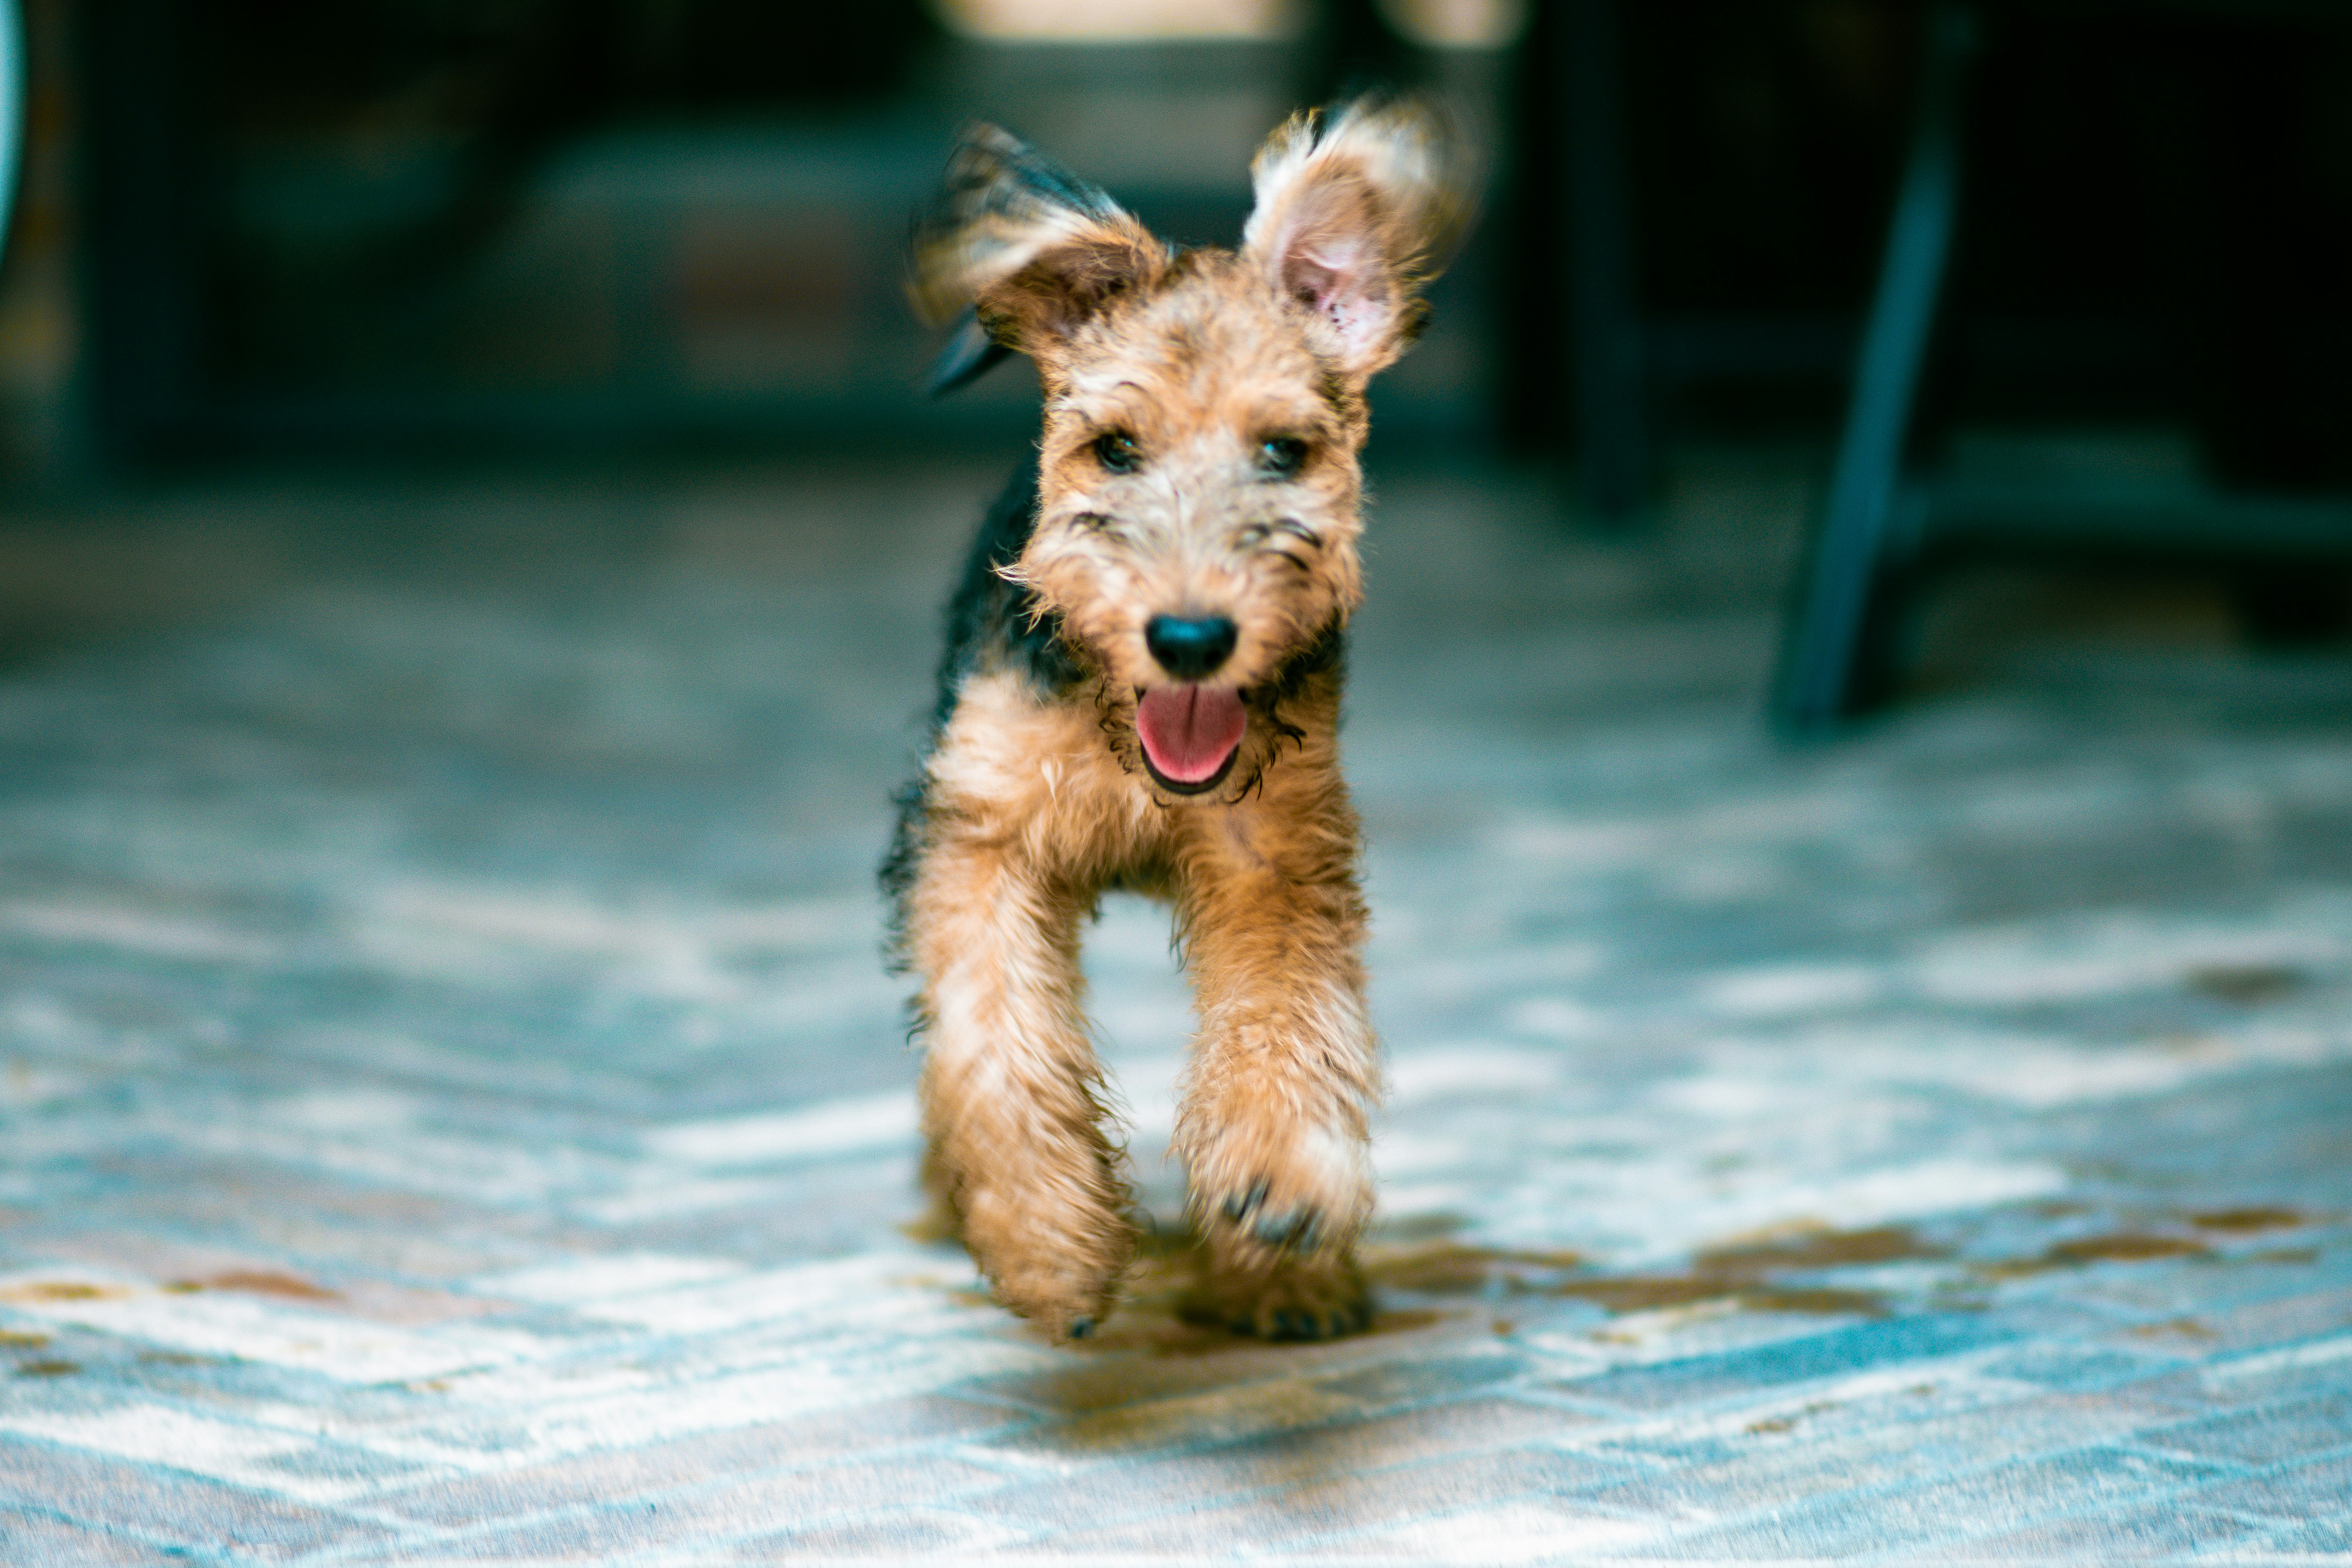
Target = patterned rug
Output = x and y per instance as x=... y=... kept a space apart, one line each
x=452 y=1108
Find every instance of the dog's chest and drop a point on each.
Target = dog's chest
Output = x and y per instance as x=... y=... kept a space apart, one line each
x=1039 y=771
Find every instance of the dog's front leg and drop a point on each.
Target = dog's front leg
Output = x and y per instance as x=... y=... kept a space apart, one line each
x=1273 y=1131
x=1017 y=1153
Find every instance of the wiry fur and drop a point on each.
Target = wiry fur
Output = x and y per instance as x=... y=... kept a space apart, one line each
x=1237 y=378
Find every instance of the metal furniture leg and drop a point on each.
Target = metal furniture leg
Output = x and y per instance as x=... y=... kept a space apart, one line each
x=1824 y=678
x=11 y=106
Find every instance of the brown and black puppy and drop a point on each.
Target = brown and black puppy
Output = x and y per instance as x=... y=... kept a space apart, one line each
x=1142 y=690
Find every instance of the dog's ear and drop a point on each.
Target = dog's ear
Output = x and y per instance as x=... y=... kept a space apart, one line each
x=1356 y=210
x=1036 y=249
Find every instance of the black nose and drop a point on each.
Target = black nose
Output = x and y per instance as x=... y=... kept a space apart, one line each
x=1189 y=649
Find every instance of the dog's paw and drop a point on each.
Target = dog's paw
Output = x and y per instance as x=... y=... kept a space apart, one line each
x=1068 y=1304
x=1285 y=1192
x=1255 y=1214
x=1294 y=1300
x=1059 y=1265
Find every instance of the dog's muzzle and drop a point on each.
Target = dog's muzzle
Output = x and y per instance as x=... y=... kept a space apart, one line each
x=1191 y=734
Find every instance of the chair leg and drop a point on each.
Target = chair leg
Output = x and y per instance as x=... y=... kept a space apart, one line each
x=1823 y=678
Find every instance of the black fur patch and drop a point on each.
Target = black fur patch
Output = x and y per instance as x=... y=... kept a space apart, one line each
x=993 y=172
x=1327 y=655
x=992 y=626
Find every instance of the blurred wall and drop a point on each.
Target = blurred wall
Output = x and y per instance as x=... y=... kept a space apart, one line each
x=275 y=226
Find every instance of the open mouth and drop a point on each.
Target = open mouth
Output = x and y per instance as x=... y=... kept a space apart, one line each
x=1191 y=734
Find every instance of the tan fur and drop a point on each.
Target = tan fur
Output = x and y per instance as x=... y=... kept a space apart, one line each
x=1034 y=803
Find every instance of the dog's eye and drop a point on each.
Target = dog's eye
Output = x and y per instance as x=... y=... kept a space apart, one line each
x=1280 y=457
x=1116 y=450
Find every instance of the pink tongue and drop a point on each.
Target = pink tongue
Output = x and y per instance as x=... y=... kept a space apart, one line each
x=1189 y=731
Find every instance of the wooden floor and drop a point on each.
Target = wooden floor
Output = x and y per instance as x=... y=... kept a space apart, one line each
x=452 y=1109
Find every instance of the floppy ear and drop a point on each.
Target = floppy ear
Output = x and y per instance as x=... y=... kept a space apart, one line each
x=1035 y=248
x=1355 y=211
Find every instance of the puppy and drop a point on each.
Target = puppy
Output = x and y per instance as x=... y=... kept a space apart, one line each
x=1141 y=691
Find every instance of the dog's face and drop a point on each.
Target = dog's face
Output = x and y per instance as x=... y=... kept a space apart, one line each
x=1204 y=412
x=1198 y=520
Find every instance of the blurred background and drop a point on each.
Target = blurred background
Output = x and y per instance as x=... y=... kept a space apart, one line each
x=273 y=226
x=472 y=538
x=662 y=231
